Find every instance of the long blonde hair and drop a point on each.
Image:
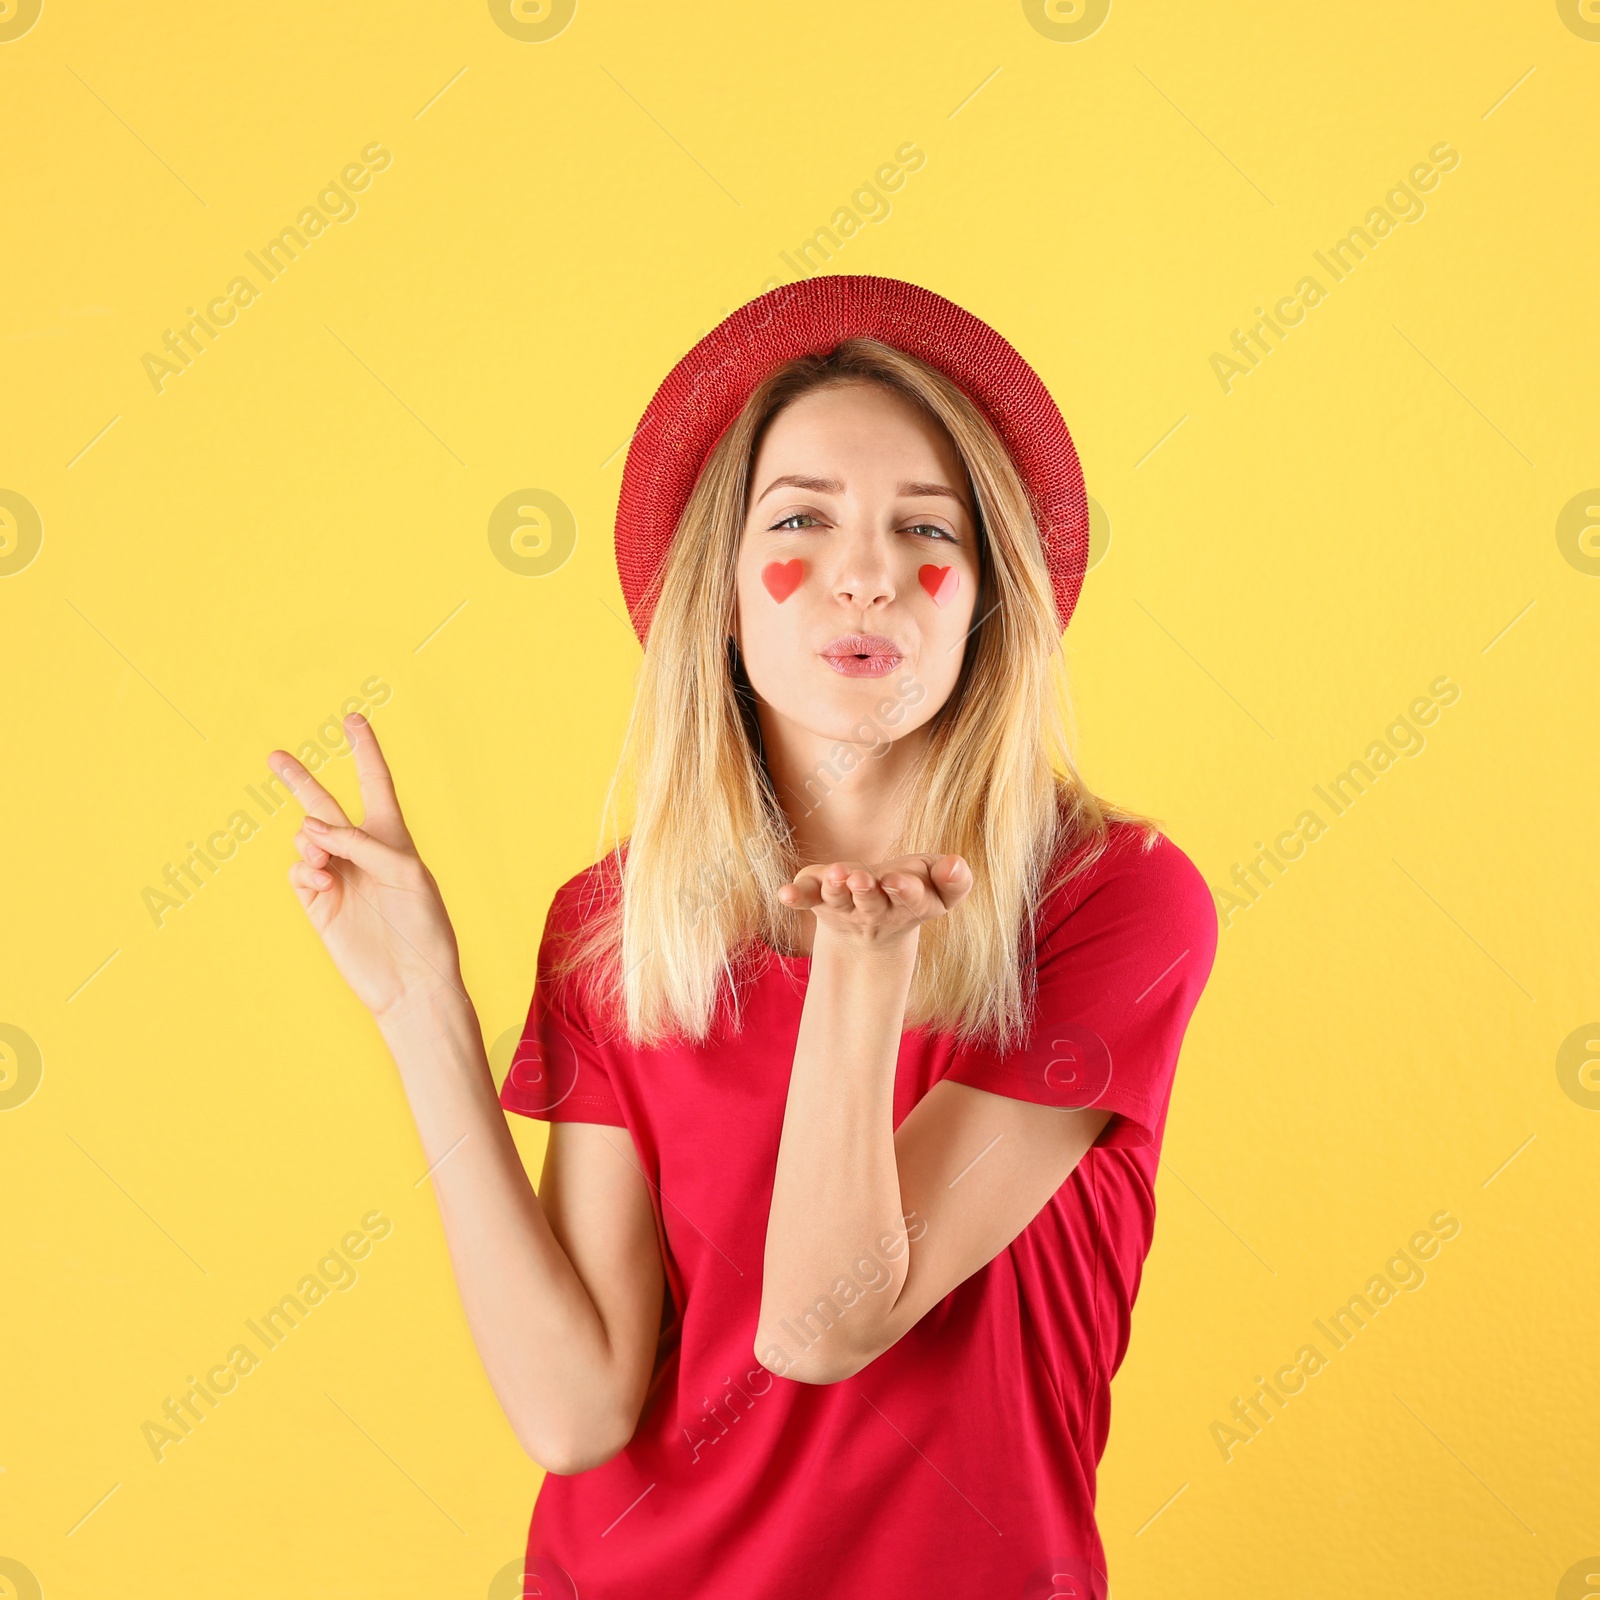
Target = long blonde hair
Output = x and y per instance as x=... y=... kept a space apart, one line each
x=683 y=905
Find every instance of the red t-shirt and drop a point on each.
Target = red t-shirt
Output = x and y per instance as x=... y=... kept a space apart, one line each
x=962 y=1460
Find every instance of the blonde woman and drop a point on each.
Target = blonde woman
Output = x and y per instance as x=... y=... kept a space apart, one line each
x=857 y=1050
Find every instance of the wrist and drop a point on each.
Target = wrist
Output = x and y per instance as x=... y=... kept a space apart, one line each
x=442 y=1005
x=892 y=953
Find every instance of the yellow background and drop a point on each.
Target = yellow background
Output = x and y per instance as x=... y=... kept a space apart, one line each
x=1375 y=505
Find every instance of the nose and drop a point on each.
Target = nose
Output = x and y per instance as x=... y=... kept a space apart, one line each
x=864 y=576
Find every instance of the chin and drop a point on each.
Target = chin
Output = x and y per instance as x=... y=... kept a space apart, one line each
x=852 y=714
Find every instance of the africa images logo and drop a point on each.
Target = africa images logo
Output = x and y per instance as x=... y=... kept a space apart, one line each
x=335 y=202
x=337 y=1272
x=1401 y=204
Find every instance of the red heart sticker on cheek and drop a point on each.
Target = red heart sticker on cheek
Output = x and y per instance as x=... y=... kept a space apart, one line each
x=940 y=582
x=782 y=578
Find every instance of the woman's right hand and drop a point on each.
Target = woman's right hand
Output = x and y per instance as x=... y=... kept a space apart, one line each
x=365 y=890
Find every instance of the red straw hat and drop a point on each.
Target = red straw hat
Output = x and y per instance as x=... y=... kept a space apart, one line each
x=707 y=389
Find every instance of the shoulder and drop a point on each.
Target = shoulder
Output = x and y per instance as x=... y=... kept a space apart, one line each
x=1139 y=885
x=577 y=948
x=584 y=896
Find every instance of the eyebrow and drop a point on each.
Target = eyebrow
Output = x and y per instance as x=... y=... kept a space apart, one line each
x=834 y=486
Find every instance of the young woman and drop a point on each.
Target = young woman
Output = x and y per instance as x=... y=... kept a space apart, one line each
x=857 y=1050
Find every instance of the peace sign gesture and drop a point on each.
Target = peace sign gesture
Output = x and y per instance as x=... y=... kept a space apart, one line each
x=365 y=890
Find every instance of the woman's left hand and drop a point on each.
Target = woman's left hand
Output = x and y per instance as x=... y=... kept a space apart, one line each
x=881 y=904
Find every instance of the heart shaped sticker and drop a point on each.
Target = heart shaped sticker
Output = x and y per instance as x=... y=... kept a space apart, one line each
x=782 y=578
x=940 y=582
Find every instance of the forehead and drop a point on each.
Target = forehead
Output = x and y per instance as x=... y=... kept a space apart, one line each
x=861 y=425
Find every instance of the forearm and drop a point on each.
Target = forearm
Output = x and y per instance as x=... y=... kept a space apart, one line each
x=836 y=1191
x=542 y=1342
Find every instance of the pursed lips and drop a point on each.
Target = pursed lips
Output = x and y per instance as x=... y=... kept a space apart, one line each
x=862 y=655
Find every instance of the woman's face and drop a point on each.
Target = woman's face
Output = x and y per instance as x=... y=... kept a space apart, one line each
x=857 y=571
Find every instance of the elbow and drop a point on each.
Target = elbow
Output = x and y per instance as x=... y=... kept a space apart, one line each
x=816 y=1364
x=824 y=1370
x=567 y=1464
x=579 y=1449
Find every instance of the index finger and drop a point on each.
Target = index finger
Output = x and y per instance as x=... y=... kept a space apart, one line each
x=316 y=800
x=378 y=799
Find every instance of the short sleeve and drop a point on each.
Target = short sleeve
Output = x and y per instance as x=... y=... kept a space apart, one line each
x=558 y=1073
x=1121 y=961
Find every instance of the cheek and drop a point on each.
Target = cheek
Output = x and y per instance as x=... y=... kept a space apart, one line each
x=781 y=578
x=771 y=605
x=943 y=583
x=935 y=678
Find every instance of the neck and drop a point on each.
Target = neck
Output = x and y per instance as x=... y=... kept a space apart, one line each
x=842 y=799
